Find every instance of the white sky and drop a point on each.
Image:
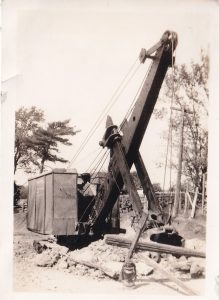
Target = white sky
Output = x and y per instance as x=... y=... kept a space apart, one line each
x=70 y=56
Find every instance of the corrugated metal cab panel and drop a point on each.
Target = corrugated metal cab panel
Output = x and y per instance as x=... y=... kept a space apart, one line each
x=65 y=204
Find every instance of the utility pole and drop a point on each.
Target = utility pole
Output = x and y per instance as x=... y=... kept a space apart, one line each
x=180 y=159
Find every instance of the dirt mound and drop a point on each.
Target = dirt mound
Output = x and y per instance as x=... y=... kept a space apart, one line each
x=191 y=228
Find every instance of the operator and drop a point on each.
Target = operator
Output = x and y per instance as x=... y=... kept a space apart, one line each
x=86 y=193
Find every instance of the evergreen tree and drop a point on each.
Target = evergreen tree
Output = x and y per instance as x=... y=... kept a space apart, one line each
x=45 y=142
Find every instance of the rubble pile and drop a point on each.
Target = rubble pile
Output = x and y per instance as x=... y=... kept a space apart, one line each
x=100 y=261
x=184 y=268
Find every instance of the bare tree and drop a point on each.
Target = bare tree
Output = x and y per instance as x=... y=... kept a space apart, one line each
x=188 y=88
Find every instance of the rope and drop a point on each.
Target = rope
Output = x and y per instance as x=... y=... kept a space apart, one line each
x=118 y=91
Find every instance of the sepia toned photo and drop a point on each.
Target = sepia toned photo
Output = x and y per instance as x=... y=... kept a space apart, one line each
x=107 y=111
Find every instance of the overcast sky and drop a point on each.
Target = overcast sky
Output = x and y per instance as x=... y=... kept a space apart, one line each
x=70 y=56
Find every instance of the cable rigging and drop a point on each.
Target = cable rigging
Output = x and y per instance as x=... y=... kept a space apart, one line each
x=93 y=171
x=109 y=105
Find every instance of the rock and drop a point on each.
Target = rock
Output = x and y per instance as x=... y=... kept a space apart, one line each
x=181 y=266
x=45 y=259
x=101 y=274
x=40 y=246
x=183 y=258
x=143 y=269
x=184 y=276
x=198 y=260
x=155 y=256
x=164 y=255
x=81 y=270
x=122 y=259
x=195 y=244
x=171 y=258
x=84 y=254
x=114 y=266
x=62 y=264
x=114 y=257
x=196 y=270
x=52 y=239
x=71 y=263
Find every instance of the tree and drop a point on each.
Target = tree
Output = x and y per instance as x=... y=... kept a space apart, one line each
x=45 y=142
x=188 y=87
x=157 y=187
x=17 y=191
x=27 y=121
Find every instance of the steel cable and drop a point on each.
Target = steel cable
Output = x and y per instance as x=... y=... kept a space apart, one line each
x=131 y=107
x=106 y=109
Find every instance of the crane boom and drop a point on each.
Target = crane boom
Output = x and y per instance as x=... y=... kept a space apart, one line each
x=125 y=148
